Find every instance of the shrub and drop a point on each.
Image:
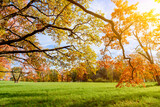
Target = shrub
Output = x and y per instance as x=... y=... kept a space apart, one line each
x=100 y=80
x=90 y=80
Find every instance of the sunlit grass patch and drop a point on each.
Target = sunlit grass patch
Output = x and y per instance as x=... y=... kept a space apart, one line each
x=77 y=94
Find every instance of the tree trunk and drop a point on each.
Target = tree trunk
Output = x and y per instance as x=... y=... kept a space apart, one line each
x=15 y=81
x=158 y=79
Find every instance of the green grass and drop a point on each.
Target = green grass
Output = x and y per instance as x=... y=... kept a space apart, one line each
x=46 y=94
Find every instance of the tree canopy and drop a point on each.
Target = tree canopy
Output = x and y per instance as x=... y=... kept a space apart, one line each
x=21 y=20
x=71 y=22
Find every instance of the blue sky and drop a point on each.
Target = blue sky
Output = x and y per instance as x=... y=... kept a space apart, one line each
x=107 y=7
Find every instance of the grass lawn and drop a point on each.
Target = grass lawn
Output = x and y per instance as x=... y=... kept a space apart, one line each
x=57 y=94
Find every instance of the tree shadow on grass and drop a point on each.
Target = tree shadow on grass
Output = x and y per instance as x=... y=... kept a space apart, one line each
x=23 y=99
x=19 y=94
x=103 y=102
x=28 y=103
x=43 y=99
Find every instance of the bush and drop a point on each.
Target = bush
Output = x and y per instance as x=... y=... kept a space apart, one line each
x=90 y=80
x=100 y=80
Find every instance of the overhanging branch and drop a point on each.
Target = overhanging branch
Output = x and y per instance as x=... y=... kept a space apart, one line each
x=31 y=51
x=33 y=33
x=96 y=15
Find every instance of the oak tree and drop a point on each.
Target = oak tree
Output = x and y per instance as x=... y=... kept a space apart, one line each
x=22 y=20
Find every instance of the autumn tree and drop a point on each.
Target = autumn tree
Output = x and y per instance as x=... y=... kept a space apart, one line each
x=4 y=66
x=81 y=70
x=130 y=23
x=21 y=21
x=111 y=67
x=148 y=38
x=72 y=22
x=53 y=75
x=16 y=73
x=143 y=71
x=118 y=28
x=105 y=67
x=117 y=34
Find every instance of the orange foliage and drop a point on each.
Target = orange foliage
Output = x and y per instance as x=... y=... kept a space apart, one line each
x=143 y=71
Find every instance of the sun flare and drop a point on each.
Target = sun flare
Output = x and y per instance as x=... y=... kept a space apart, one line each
x=148 y=5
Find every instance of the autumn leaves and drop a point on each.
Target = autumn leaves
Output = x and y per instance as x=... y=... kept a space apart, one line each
x=71 y=22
